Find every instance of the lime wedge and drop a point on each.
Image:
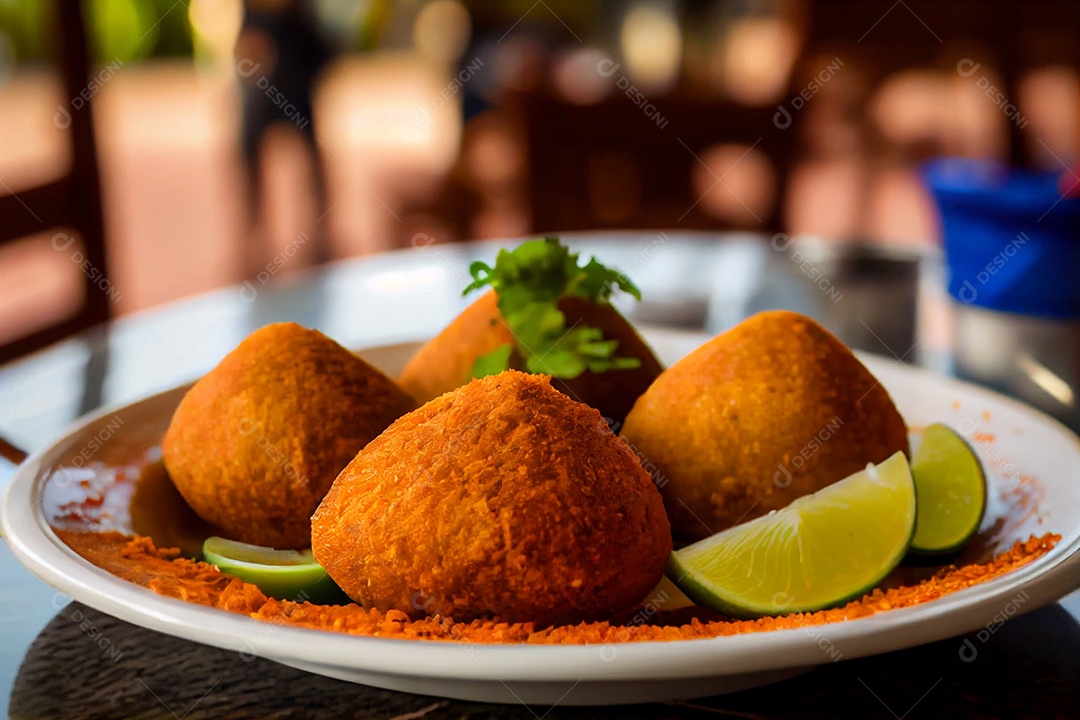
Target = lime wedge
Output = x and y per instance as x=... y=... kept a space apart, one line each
x=282 y=574
x=950 y=489
x=819 y=551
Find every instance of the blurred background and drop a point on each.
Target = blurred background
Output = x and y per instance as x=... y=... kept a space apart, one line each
x=169 y=147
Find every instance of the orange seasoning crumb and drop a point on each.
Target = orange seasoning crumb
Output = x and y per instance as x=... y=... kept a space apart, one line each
x=163 y=571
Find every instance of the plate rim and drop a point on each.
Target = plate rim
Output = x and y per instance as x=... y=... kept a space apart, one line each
x=33 y=541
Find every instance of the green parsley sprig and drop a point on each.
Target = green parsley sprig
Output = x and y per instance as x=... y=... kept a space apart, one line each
x=529 y=281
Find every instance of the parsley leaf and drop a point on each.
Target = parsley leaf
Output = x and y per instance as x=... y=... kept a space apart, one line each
x=530 y=280
x=494 y=362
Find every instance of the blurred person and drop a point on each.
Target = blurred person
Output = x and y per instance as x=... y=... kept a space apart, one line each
x=279 y=55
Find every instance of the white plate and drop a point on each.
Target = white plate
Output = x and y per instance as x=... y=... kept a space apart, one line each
x=1029 y=458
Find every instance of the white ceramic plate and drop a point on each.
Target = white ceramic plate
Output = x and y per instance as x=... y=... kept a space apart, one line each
x=1033 y=469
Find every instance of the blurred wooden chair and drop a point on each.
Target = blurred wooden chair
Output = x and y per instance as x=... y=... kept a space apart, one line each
x=893 y=37
x=608 y=165
x=72 y=203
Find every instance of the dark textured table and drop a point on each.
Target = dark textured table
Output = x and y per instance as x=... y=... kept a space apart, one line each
x=118 y=670
x=61 y=660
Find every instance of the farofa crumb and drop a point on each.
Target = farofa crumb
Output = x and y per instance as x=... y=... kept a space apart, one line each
x=163 y=571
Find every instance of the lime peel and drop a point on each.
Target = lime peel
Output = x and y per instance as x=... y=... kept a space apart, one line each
x=282 y=574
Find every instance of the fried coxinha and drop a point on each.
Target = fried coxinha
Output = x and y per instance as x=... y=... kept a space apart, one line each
x=547 y=313
x=503 y=498
x=774 y=409
x=256 y=443
x=502 y=495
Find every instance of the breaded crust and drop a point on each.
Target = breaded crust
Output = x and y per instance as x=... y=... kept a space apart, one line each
x=446 y=361
x=257 y=442
x=771 y=410
x=503 y=499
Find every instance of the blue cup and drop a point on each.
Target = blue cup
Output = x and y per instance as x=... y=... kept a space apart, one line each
x=1012 y=242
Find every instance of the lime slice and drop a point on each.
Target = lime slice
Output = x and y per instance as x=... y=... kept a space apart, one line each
x=819 y=551
x=950 y=489
x=282 y=574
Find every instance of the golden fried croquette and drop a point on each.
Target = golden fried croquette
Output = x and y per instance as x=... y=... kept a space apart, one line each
x=503 y=499
x=446 y=362
x=257 y=442
x=771 y=410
